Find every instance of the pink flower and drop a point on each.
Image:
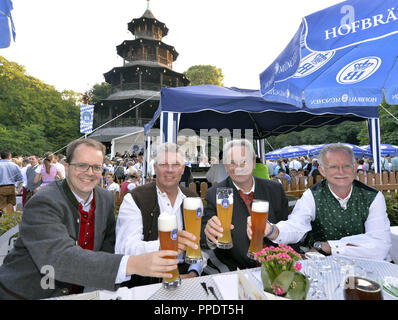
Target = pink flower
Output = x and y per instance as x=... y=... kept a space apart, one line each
x=278 y=289
x=297 y=267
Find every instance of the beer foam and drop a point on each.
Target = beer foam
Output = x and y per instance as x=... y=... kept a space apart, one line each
x=260 y=206
x=230 y=199
x=167 y=222
x=192 y=203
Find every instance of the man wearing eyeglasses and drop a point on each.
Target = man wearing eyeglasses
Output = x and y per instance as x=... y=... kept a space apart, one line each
x=239 y=160
x=339 y=215
x=67 y=236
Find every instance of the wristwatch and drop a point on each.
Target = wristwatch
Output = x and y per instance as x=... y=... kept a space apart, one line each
x=318 y=247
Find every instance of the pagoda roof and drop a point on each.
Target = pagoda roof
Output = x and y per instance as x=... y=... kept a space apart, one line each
x=130 y=94
x=140 y=63
x=107 y=134
x=147 y=15
x=137 y=42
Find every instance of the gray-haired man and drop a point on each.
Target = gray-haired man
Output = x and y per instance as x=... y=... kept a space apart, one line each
x=339 y=215
x=137 y=228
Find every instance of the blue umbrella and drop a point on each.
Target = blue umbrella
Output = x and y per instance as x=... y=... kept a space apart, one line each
x=316 y=149
x=288 y=152
x=6 y=23
x=358 y=151
x=345 y=55
x=385 y=149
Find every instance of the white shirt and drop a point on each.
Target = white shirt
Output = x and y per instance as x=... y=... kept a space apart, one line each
x=113 y=187
x=121 y=274
x=138 y=166
x=25 y=178
x=129 y=226
x=294 y=164
x=151 y=168
x=60 y=168
x=375 y=243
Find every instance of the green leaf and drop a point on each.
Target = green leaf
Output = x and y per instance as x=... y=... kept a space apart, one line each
x=284 y=279
x=300 y=286
x=265 y=277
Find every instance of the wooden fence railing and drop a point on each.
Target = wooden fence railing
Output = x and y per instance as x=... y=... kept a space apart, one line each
x=386 y=182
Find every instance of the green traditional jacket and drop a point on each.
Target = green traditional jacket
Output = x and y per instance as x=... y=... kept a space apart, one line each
x=332 y=222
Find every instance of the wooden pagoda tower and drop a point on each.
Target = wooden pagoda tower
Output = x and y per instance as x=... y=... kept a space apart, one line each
x=147 y=67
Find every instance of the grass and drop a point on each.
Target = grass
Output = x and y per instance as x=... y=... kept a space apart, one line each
x=9 y=220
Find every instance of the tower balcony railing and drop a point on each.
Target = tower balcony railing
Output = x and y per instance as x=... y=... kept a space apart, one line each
x=149 y=34
x=150 y=57
x=136 y=86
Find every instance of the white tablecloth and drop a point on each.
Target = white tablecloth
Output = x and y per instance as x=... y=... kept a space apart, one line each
x=226 y=285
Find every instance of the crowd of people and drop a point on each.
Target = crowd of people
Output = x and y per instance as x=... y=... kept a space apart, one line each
x=24 y=176
x=308 y=166
x=69 y=227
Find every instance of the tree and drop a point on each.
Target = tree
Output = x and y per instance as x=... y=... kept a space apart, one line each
x=34 y=116
x=204 y=74
x=388 y=115
x=98 y=92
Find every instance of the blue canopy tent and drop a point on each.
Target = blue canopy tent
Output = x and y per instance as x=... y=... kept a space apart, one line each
x=213 y=107
x=289 y=152
x=359 y=152
x=342 y=56
x=385 y=150
x=6 y=23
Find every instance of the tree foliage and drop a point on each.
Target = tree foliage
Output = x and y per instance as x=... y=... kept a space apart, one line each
x=204 y=74
x=34 y=116
x=98 y=92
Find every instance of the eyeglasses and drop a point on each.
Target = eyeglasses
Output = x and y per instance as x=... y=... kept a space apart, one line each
x=240 y=163
x=344 y=167
x=83 y=167
x=172 y=165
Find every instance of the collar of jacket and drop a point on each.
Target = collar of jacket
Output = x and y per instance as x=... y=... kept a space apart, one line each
x=69 y=194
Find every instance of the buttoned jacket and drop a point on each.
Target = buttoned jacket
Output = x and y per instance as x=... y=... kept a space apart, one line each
x=47 y=247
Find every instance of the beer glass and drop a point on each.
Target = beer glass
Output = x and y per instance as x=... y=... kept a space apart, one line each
x=193 y=212
x=168 y=228
x=225 y=203
x=359 y=288
x=259 y=216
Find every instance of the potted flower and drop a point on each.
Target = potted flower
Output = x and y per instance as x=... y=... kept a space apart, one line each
x=280 y=272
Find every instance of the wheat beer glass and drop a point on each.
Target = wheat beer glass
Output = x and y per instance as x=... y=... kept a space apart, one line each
x=167 y=226
x=225 y=203
x=193 y=212
x=259 y=217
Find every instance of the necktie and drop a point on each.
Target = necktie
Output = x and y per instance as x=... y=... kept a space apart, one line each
x=247 y=198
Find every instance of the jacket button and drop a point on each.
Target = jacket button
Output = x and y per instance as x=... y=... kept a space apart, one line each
x=151 y=214
x=78 y=221
x=65 y=291
x=150 y=231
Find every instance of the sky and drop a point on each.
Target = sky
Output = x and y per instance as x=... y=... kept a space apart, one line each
x=70 y=44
